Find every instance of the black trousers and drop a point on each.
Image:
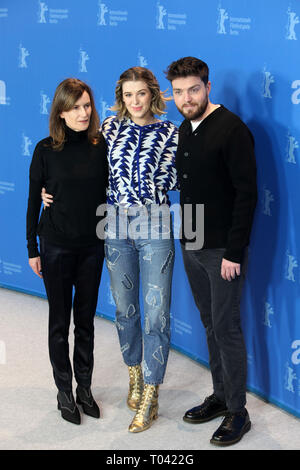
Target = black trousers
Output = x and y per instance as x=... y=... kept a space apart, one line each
x=64 y=268
x=219 y=304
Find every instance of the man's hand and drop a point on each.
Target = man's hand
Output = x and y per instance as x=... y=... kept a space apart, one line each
x=229 y=270
x=35 y=264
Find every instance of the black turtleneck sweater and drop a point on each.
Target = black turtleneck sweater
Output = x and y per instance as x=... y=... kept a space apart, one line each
x=216 y=167
x=77 y=177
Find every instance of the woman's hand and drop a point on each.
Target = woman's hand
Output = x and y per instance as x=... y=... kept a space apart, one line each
x=35 y=264
x=47 y=198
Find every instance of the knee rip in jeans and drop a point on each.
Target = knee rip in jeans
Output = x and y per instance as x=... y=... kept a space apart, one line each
x=148 y=253
x=163 y=323
x=167 y=262
x=154 y=296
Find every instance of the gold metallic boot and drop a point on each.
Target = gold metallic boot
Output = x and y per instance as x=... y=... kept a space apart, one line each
x=147 y=411
x=136 y=385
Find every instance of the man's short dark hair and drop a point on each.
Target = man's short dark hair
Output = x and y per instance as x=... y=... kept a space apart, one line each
x=186 y=67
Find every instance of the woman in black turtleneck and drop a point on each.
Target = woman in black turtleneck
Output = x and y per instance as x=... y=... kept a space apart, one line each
x=71 y=163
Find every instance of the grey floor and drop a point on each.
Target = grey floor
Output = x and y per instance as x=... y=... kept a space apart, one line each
x=29 y=419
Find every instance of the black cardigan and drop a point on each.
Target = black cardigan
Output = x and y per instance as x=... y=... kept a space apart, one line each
x=216 y=167
x=77 y=177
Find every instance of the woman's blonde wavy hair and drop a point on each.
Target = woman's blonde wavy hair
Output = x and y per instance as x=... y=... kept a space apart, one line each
x=158 y=103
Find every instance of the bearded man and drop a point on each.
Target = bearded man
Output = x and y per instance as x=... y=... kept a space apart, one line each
x=216 y=168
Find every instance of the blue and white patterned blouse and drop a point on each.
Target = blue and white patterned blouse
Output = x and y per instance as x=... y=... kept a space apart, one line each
x=141 y=161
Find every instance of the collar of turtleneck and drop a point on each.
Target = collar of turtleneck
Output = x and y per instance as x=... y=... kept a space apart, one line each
x=75 y=136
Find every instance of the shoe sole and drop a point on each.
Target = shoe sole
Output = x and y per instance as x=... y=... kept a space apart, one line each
x=229 y=443
x=204 y=420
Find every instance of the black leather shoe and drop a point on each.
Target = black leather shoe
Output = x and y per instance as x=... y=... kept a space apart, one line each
x=85 y=398
x=232 y=429
x=67 y=406
x=210 y=409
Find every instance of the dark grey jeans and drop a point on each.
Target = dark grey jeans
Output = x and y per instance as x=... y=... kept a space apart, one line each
x=219 y=304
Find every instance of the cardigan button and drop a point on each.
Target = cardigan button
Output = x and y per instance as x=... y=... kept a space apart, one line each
x=186 y=154
x=184 y=176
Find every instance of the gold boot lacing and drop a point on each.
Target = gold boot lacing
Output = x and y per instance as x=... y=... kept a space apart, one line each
x=136 y=385
x=147 y=411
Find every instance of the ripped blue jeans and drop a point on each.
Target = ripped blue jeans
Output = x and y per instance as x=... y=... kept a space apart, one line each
x=149 y=260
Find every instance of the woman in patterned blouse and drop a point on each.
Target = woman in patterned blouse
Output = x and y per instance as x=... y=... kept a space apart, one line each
x=141 y=156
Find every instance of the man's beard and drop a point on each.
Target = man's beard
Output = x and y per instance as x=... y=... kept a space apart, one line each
x=197 y=113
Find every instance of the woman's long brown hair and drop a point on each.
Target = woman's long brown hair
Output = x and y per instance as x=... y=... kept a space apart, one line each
x=66 y=94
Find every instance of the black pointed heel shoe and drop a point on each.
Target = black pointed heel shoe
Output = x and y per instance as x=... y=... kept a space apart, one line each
x=67 y=406
x=85 y=398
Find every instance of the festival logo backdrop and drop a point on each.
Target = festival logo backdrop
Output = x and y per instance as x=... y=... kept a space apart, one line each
x=252 y=49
